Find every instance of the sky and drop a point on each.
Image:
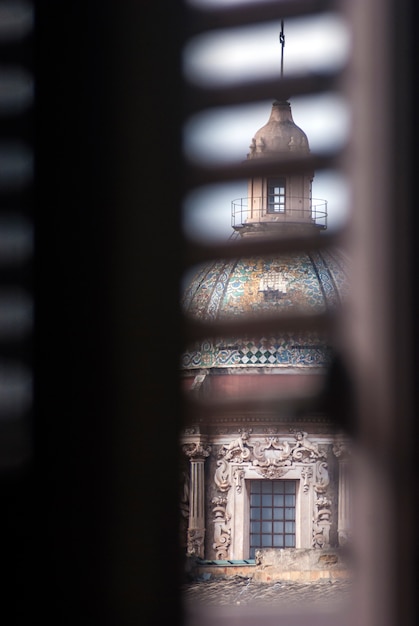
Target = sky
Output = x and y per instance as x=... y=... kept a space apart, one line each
x=223 y=135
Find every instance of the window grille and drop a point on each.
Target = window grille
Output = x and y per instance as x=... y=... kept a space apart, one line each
x=276 y=195
x=272 y=514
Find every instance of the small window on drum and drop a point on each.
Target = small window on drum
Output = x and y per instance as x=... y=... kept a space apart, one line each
x=276 y=195
x=272 y=514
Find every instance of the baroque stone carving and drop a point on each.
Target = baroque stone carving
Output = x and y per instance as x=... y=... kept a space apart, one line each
x=271 y=451
x=272 y=472
x=322 y=522
x=196 y=542
x=322 y=477
x=222 y=475
x=271 y=457
x=196 y=450
x=237 y=449
x=222 y=531
x=307 y=475
x=322 y=517
x=238 y=476
x=342 y=449
x=305 y=450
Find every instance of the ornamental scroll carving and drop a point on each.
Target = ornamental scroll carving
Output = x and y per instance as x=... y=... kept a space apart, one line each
x=238 y=449
x=322 y=518
x=271 y=452
x=197 y=450
x=222 y=530
x=272 y=457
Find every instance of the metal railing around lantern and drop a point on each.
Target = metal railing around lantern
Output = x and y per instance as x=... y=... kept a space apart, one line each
x=247 y=210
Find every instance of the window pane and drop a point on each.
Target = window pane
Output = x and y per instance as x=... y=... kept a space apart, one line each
x=278 y=513
x=278 y=486
x=289 y=486
x=255 y=486
x=255 y=527
x=255 y=499
x=267 y=513
x=255 y=514
x=266 y=541
x=266 y=486
x=267 y=527
x=279 y=527
x=290 y=514
x=289 y=527
x=289 y=541
x=267 y=500
x=254 y=541
x=279 y=500
x=278 y=541
x=289 y=500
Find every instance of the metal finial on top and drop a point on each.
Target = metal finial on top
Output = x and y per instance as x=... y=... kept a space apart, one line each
x=282 y=42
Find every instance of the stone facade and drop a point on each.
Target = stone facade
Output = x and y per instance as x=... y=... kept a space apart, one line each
x=217 y=505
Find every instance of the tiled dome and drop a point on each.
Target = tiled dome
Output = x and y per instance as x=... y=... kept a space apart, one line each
x=295 y=283
x=302 y=282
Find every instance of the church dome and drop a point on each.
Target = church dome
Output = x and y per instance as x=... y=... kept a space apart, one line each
x=279 y=135
x=295 y=283
x=252 y=287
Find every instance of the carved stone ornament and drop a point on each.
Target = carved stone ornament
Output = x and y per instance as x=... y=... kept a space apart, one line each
x=272 y=472
x=305 y=451
x=322 y=518
x=238 y=476
x=222 y=531
x=307 y=475
x=196 y=450
x=342 y=449
x=322 y=477
x=196 y=542
x=270 y=452
x=222 y=475
x=237 y=450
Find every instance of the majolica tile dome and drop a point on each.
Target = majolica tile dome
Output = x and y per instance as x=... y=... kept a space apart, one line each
x=306 y=282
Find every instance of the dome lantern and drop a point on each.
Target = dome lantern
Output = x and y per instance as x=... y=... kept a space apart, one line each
x=281 y=203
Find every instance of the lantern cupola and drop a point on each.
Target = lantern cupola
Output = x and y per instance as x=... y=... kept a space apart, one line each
x=281 y=202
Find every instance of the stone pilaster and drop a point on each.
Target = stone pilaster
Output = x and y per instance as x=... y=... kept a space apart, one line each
x=197 y=453
x=342 y=452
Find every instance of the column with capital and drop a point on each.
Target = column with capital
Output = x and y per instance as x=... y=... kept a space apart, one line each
x=197 y=453
x=343 y=452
